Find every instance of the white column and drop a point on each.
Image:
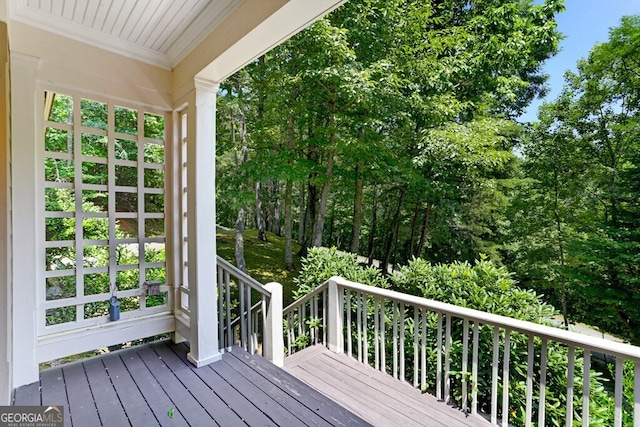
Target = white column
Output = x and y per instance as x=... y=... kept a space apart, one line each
x=335 y=308
x=5 y=281
x=173 y=212
x=273 y=342
x=201 y=213
x=28 y=258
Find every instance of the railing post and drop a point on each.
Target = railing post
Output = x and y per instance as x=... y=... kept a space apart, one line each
x=335 y=310
x=273 y=342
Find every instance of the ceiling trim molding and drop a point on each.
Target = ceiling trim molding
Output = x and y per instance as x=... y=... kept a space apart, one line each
x=207 y=21
x=79 y=32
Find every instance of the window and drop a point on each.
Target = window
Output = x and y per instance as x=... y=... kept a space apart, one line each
x=104 y=210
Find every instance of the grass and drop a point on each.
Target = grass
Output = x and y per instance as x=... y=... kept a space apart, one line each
x=264 y=260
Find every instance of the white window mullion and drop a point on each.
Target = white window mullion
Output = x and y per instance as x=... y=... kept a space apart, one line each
x=77 y=179
x=141 y=214
x=111 y=189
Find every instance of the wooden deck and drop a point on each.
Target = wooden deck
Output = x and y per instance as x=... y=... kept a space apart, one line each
x=376 y=397
x=154 y=385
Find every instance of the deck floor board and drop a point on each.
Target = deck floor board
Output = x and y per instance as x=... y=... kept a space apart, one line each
x=373 y=395
x=154 y=384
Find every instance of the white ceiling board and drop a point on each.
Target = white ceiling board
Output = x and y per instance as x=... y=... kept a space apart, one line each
x=159 y=32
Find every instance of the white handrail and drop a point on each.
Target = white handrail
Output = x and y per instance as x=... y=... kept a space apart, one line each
x=259 y=322
x=351 y=317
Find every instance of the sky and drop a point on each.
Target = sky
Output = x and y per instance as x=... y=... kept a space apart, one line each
x=583 y=23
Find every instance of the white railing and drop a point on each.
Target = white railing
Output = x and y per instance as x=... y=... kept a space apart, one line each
x=399 y=333
x=249 y=313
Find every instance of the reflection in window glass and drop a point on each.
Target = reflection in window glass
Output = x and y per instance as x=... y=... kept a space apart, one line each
x=59 y=200
x=95 y=201
x=153 y=153
x=60 y=287
x=58 y=170
x=94 y=114
x=60 y=258
x=96 y=256
x=97 y=283
x=126 y=149
x=126 y=176
x=60 y=229
x=58 y=107
x=58 y=140
x=57 y=316
x=153 y=126
x=128 y=279
x=126 y=120
x=94 y=145
x=95 y=173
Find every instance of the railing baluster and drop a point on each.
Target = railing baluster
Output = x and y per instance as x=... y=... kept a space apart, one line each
x=494 y=376
x=465 y=360
x=349 y=344
x=447 y=362
x=227 y=286
x=316 y=316
x=505 y=379
x=403 y=374
x=617 y=414
x=383 y=343
x=324 y=313
x=243 y=324
x=586 y=380
x=571 y=356
x=474 y=368
x=395 y=339
x=249 y=303
x=439 y=360
x=529 y=389
x=376 y=325
x=416 y=353
x=289 y=333
x=359 y=321
x=423 y=379
x=543 y=383
x=222 y=321
x=636 y=394
x=365 y=313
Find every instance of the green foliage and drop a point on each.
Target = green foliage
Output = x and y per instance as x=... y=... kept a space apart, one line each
x=322 y=263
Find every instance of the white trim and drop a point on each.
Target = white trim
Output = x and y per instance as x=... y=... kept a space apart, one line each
x=201 y=153
x=98 y=336
x=26 y=243
x=5 y=222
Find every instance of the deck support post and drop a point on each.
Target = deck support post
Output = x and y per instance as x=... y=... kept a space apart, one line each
x=335 y=308
x=201 y=232
x=273 y=342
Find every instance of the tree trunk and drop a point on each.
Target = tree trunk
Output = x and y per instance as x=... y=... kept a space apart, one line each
x=239 y=160
x=288 y=255
x=414 y=223
x=374 y=223
x=563 y=280
x=391 y=236
x=275 y=218
x=240 y=262
x=358 y=212
x=324 y=196
x=260 y=224
x=424 y=231
x=303 y=214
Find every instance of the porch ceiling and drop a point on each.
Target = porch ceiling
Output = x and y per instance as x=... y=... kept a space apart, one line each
x=160 y=32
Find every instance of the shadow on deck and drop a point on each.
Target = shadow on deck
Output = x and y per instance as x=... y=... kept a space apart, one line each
x=375 y=396
x=154 y=385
